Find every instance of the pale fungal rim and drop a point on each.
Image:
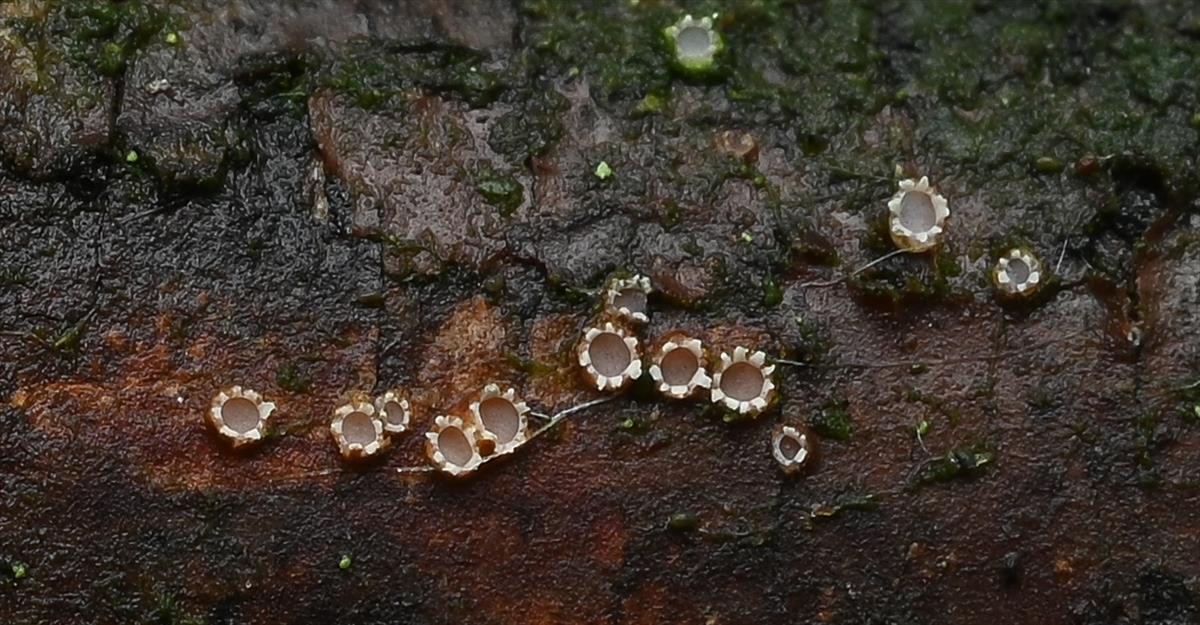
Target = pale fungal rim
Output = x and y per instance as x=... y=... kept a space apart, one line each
x=737 y=398
x=510 y=407
x=394 y=411
x=920 y=232
x=665 y=369
x=357 y=431
x=1018 y=272
x=609 y=370
x=629 y=298
x=452 y=457
x=790 y=447
x=231 y=411
x=694 y=43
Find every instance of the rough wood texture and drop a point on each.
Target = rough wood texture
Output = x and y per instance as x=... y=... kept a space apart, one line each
x=314 y=197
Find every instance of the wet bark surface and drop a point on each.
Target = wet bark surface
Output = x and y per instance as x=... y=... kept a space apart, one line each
x=310 y=198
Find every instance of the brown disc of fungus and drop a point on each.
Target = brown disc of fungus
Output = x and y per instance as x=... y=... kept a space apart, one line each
x=743 y=382
x=609 y=357
x=629 y=299
x=1018 y=273
x=791 y=448
x=501 y=419
x=451 y=446
x=239 y=416
x=917 y=215
x=678 y=368
x=394 y=411
x=357 y=431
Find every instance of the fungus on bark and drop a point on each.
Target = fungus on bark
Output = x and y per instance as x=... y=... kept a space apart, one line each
x=501 y=418
x=609 y=357
x=394 y=411
x=678 y=369
x=743 y=382
x=917 y=215
x=451 y=446
x=791 y=448
x=1018 y=273
x=357 y=431
x=240 y=415
x=629 y=299
x=694 y=43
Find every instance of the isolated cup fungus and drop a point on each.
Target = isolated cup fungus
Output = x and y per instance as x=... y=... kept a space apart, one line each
x=501 y=419
x=791 y=448
x=609 y=357
x=629 y=299
x=240 y=415
x=451 y=446
x=694 y=43
x=1018 y=273
x=394 y=411
x=917 y=215
x=678 y=368
x=357 y=431
x=742 y=382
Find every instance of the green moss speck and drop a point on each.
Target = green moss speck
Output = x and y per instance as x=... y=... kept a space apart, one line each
x=345 y=563
x=19 y=570
x=111 y=60
x=842 y=504
x=603 y=171
x=616 y=47
x=650 y=105
x=70 y=340
x=1048 y=165
x=683 y=522
x=292 y=379
x=957 y=463
x=105 y=34
x=503 y=192
x=833 y=421
x=373 y=76
x=772 y=293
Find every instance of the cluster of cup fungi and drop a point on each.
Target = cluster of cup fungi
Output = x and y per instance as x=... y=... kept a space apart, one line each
x=610 y=358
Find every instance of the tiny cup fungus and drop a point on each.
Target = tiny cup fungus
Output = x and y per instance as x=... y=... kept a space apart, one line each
x=501 y=418
x=357 y=431
x=609 y=357
x=451 y=446
x=742 y=382
x=628 y=299
x=678 y=368
x=917 y=215
x=694 y=43
x=791 y=448
x=240 y=415
x=1018 y=273
x=394 y=411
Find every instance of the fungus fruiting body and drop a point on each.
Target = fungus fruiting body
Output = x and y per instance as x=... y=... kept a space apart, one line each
x=1018 y=273
x=357 y=430
x=501 y=419
x=694 y=43
x=791 y=448
x=609 y=357
x=240 y=415
x=629 y=299
x=394 y=411
x=678 y=369
x=743 y=383
x=917 y=215
x=451 y=446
